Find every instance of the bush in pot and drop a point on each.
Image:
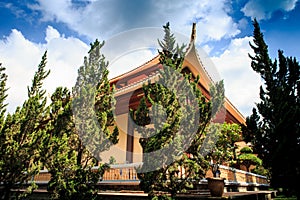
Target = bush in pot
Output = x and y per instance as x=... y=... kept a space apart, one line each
x=221 y=148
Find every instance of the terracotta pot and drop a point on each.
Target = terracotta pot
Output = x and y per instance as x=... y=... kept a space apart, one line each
x=216 y=186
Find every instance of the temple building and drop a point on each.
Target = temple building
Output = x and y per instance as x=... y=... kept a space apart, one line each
x=127 y=153
x=129 y=92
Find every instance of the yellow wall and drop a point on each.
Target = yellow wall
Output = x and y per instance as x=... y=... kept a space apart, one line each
x=118 y=151
x=137 y=148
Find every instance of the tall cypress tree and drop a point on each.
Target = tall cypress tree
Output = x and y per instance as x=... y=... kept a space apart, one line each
x=277 y=134
x=177 y=108
x=81 y=127
x=23 y=134
x=3 y=95
x=93 y=103
x=61 y=145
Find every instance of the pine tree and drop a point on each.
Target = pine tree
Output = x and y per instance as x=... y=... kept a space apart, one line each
x=23 y=134
x=93 y=103
x=178 y=109
x=3 y=95
x=252 y=133
x=82 y=128
x=59 y=158
x=277 y=134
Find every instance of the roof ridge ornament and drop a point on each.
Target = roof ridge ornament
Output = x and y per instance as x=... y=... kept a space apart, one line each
x=193 y=35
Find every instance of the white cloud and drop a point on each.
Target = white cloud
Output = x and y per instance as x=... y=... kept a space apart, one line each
x=51 y=33
x=213 y=20
x=243 y=23
x=241 y=82
x=264 y=9
x=129 y=61
x=207 y=48
x=102 y=19
x=18 y=56
x=21 y=58
x=64 y=56
x=95 y=20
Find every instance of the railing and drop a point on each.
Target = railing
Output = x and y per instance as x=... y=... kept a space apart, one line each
x=43 y=177
x=127 y=172
x=240 y=177
x=122 y=172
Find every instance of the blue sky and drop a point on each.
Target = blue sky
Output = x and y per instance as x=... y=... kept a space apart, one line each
x=66 y=28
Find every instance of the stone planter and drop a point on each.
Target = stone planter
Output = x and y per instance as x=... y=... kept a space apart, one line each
x=216 y=186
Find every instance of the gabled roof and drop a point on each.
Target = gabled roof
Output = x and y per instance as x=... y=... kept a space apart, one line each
x=134 y=79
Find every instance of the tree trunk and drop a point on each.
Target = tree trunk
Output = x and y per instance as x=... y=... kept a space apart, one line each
x=79 y=155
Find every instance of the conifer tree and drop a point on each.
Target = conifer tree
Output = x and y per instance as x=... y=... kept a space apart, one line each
x=23 y=134
x=81 y=127
x=61 y=154
x=3 y=95
x=177 y=106
x=93 y=103
x=277 y=135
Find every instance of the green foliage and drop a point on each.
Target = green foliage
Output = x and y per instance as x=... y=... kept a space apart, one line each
x=112 y=160
x=23 y=134
x=61 y=158
x=37 y=136
x=77 y=141
x=259 y=169
x=220 y=142
x=246 y=149
x=275 y=132
x=247 y=158
x=93 y=103
x=3 y=95
x=252 y=132
x=171 y=118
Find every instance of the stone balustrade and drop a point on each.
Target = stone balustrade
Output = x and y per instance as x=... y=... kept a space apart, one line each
x=235 y=179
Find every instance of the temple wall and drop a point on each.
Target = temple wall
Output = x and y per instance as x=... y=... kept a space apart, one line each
x=118 y=151
x=137 y=149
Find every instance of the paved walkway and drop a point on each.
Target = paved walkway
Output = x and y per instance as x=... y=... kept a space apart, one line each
x=248 y=195
x=140 y=195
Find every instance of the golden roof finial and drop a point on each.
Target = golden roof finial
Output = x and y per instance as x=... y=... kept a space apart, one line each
x=193 y=35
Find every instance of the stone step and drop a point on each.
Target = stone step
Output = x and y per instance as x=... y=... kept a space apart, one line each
x=193 y=193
